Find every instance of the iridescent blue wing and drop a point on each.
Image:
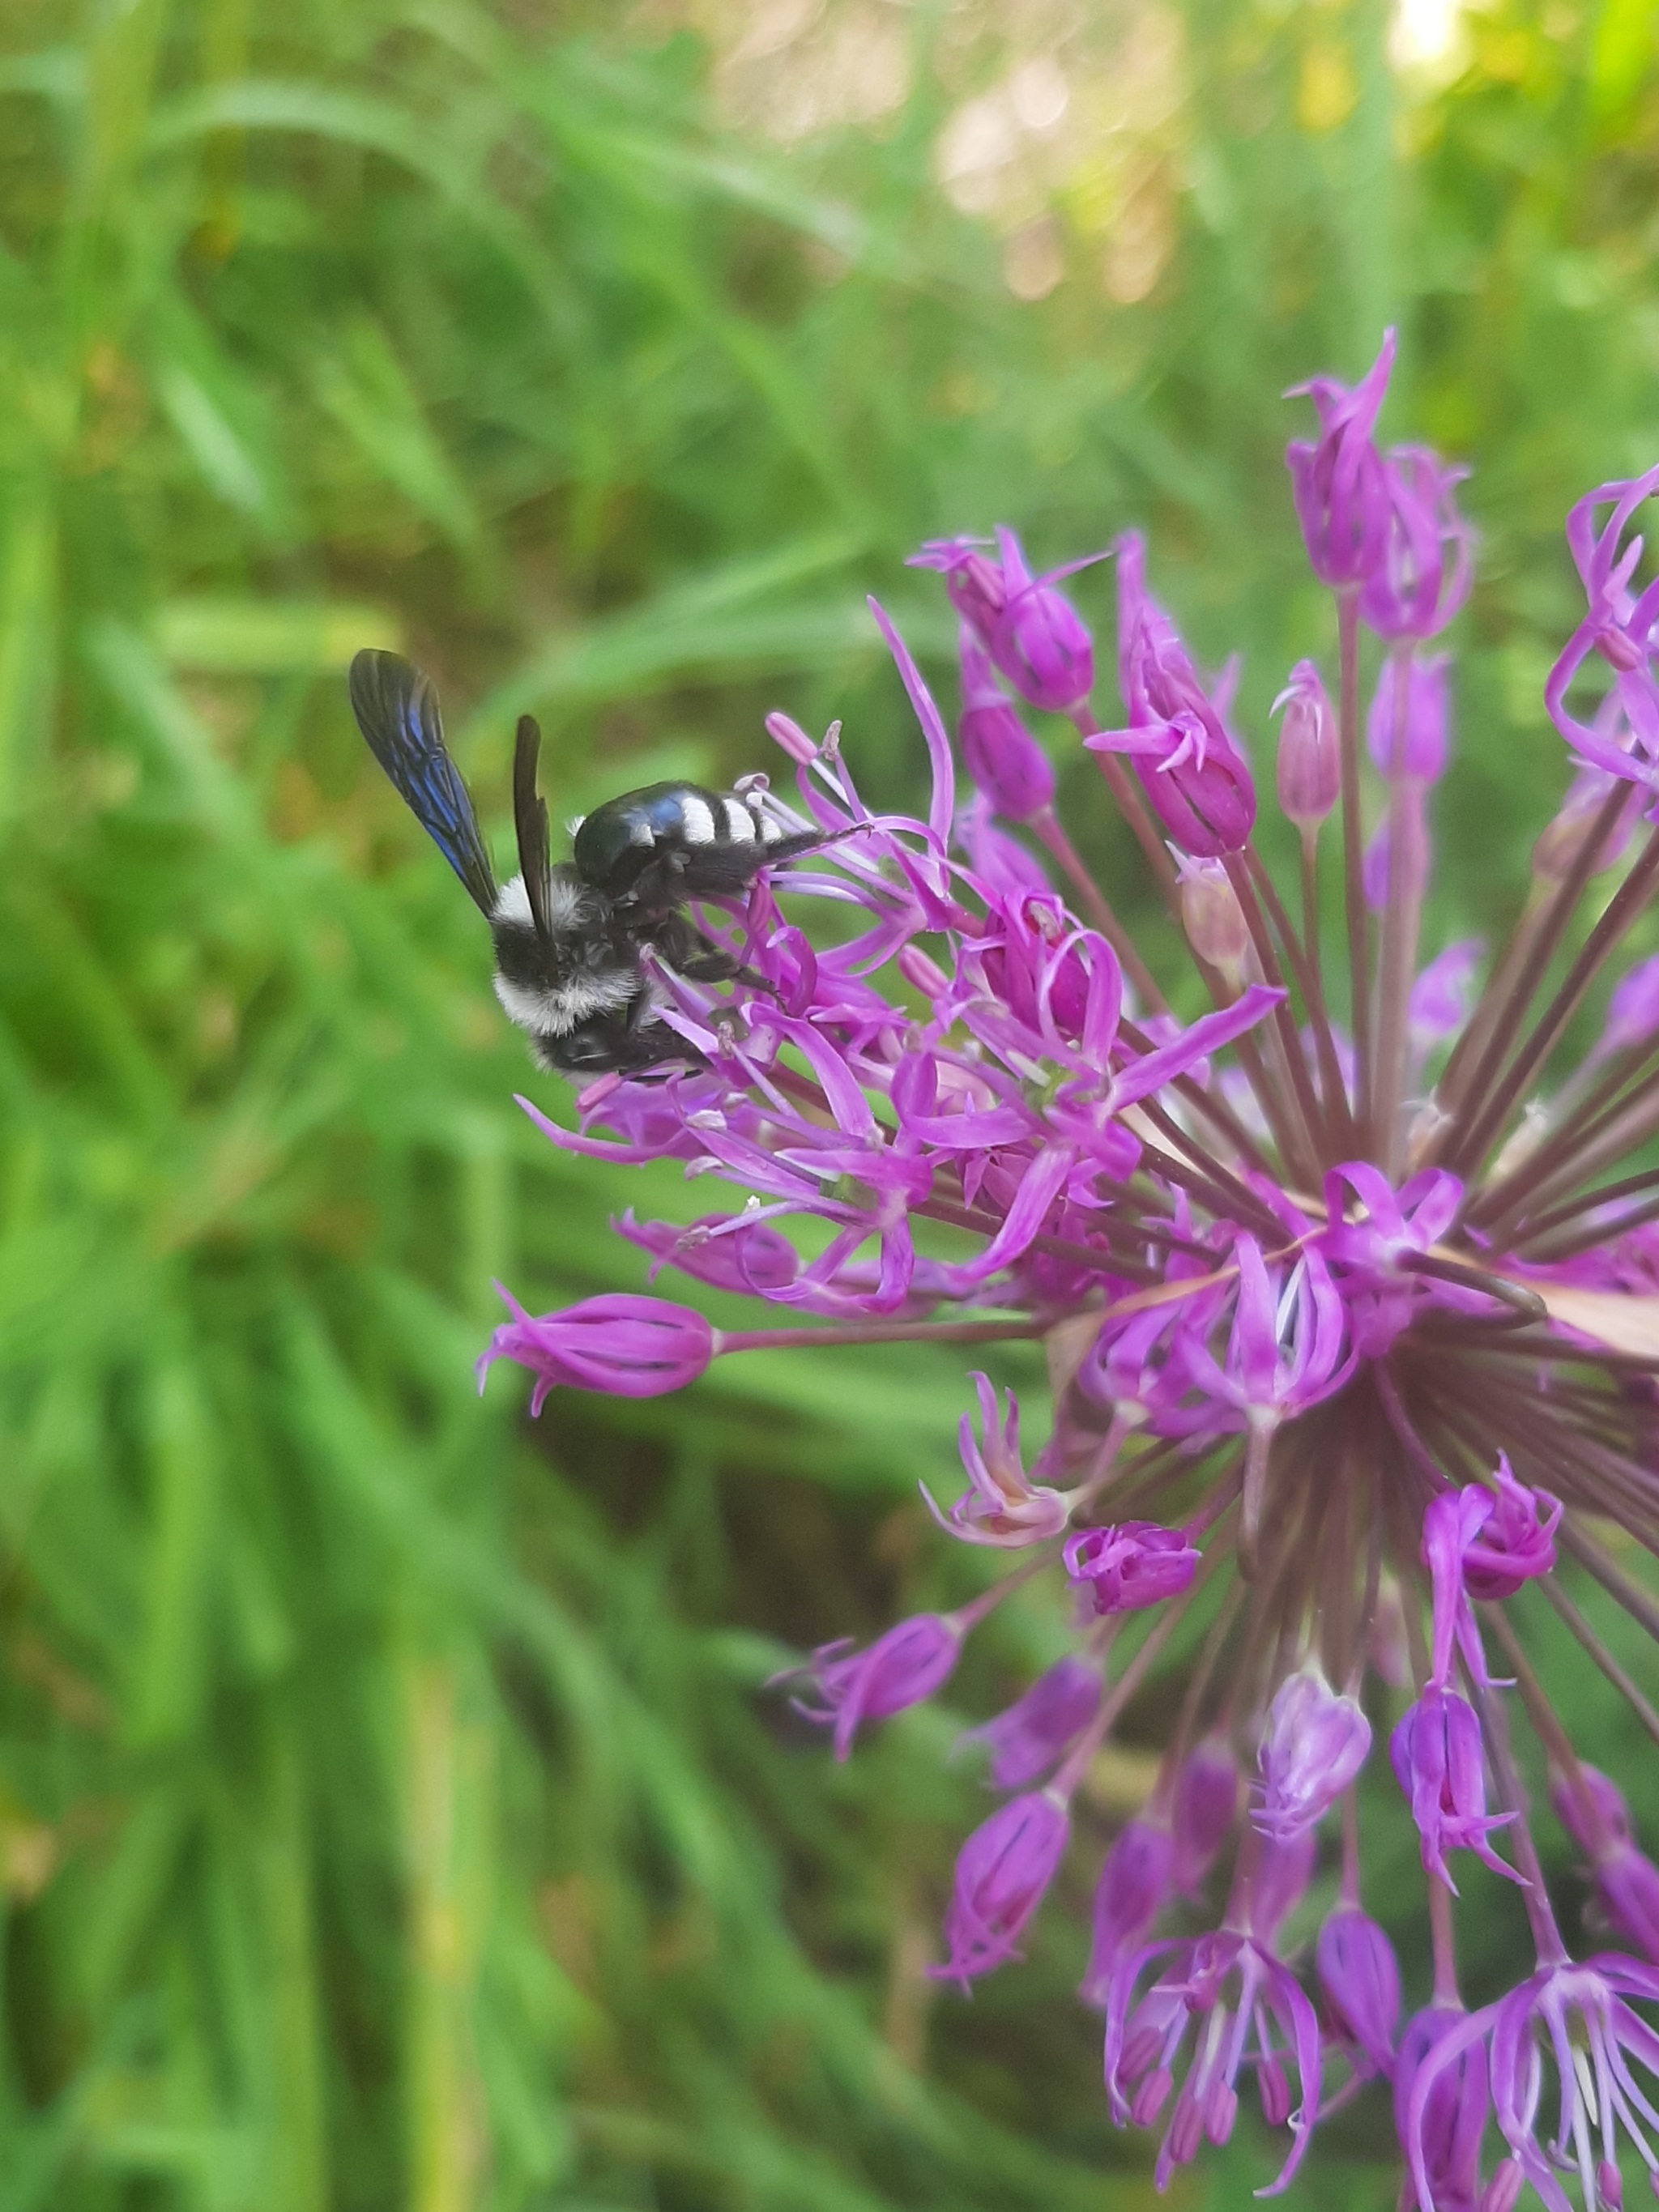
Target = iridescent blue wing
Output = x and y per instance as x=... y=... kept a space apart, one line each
x=396 y=710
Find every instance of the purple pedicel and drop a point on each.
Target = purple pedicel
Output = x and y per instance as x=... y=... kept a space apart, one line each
x=1313 y=1745
x=1026 y=1740
x=1284 y=1305
x=1003 y=1871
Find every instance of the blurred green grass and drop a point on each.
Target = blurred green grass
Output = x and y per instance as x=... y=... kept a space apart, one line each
x=387 y=1812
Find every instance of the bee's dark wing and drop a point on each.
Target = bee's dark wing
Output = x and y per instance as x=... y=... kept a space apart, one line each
x=530 y=819
x=396 y=710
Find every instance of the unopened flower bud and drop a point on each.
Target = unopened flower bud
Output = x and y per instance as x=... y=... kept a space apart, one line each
x=1026 y=1740
x=1310 y=761
x=901 y=1670
x=1000 y=754
x=1360 y=1979
x=1002 y=1872
x=630 y=1347
x=1564 y=836
x=1632 y=1011
x=1131 y=1564
x=1313 y=1746
x=1211 y=915
x=1134 y=1884
x=921 y=972
x=1410 y=740
x=1205 y=1804
x=1447 y=2137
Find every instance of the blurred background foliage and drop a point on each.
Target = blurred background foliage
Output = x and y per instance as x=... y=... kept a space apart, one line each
x=389 y=1812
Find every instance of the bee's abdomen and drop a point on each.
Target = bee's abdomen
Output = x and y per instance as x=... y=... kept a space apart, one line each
x=677 y=840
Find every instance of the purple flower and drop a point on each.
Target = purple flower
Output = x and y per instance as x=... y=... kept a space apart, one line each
x=1512 y=1540
x=1243 y=2006
x=1359 y=1976
x=1026 y=1740
x=1196 y=778
x=1439 y=1762
x=633 y=1347
x=1003 y=1508
x=1003 y=1871
x=997 y=750
x=900 y=1669
x=1340 y=498
x=1441 y=2128
x=1619 y=626
x=1579 y=2020
x=1130 y=1564
x=1313 y=1746
x=1310 y=761
x=730 y=1252
x=1205 y=1805
x=1627 y=1880
x=1031 y=632
x=1633 y=1008
x=1411 y=742
x=1421 y=575
x=1136 y=1881
x=1440 y=997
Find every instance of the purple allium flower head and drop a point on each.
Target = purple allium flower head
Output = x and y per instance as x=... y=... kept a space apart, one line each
x=633 y=1347
x=1310 y=765
x=900 y=1669
x=1002 y=1872
x=997 y=750
x=1345 y=1331
x=1410 y=739
x=1439 y=1761
x=1196 y=778
x=1340 y=498
x=1026 y=1740
x=1031 y=631
x=1136 y=1880
x=1206 y=1807
x=1130 y=1565
x=1422 y=575
x=1314 y=1744
x=1359 y=1976
x=1441 y=2131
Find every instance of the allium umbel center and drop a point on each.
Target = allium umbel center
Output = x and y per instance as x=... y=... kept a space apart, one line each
x=1349 y=1289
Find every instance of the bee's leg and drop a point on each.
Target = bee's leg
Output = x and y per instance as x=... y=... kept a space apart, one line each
x=682 y=947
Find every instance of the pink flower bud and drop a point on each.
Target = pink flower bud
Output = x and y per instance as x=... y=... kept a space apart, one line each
x=1439 y=1762
x=1309 y=759
x=1205 y=1805
x=1131 y=1564
x=1134 y=1884
x=784 y=731
x=1633 y=1008
x=1419 y=748
x=1000 y=754
x=1211 y=915
x=1360 y=1978
x=1313 y=1746
x=901 y=1670
x=632 y=1347
x=1026 y=1740
x=1003 y=1871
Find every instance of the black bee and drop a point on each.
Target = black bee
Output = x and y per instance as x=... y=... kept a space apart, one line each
x=570 y=939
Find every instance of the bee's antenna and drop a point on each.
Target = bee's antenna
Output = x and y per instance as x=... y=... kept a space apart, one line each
x=530 y=820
